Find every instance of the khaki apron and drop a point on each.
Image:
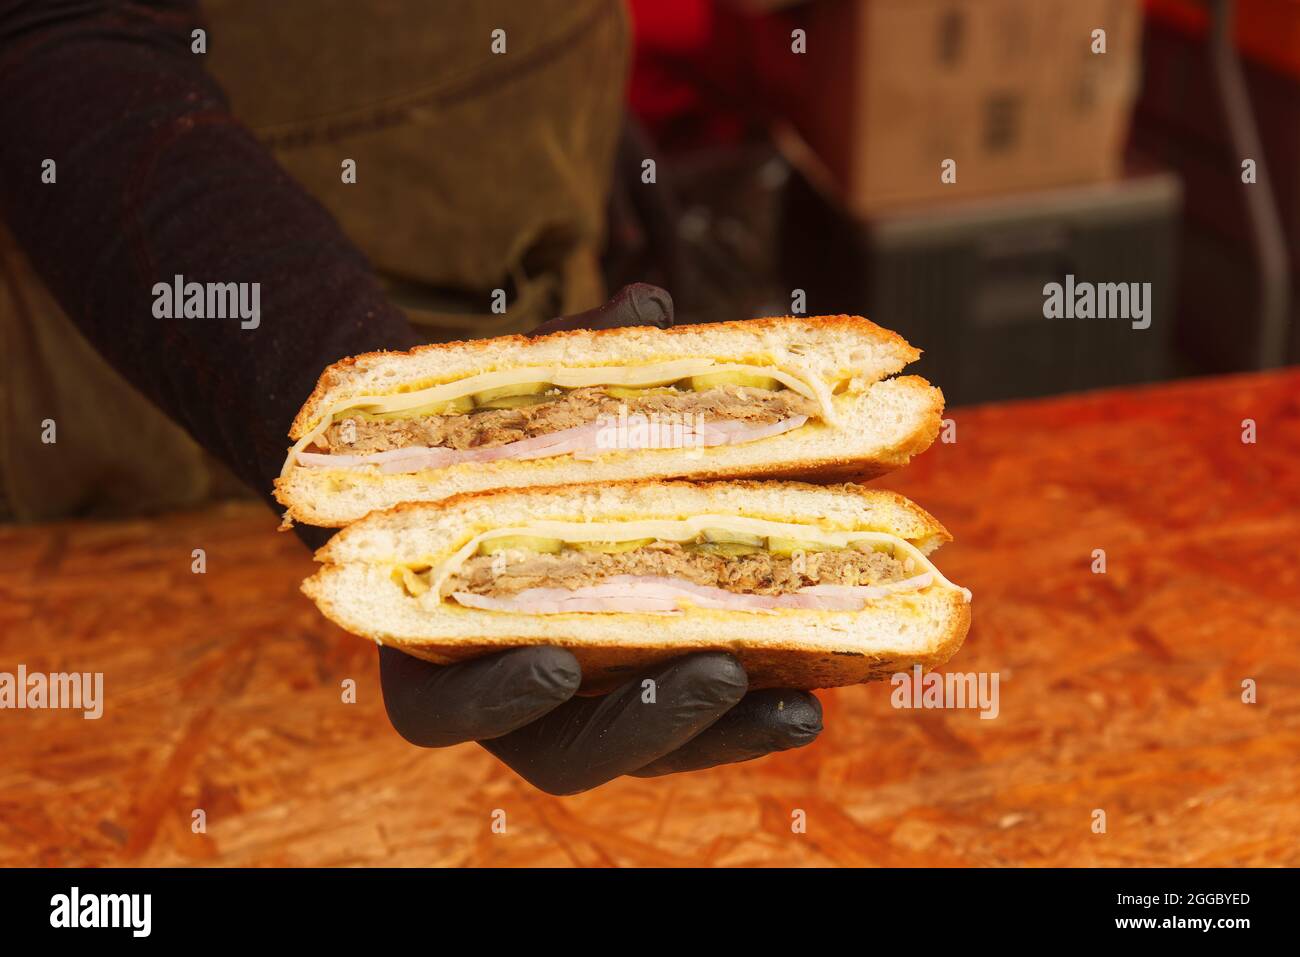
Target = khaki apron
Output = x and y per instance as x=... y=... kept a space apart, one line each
x=475 y=171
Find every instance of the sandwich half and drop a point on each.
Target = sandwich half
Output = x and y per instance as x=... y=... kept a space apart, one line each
x=809 y=586
x=792 y=397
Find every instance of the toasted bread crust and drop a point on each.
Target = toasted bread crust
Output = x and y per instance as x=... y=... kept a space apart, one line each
x=766 y=664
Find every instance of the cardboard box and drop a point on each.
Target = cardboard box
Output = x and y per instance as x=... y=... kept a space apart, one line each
x=1009 y=89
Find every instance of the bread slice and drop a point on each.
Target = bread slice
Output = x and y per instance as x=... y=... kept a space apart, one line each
x=356 y=587
x=874 y=424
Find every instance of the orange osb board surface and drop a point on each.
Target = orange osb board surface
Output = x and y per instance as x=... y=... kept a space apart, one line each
x=1119 y=691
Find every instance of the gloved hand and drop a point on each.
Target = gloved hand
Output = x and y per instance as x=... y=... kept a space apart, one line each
x=520 y=704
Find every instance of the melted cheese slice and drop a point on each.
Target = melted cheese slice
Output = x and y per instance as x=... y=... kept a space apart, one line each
x=684 y=530
x=653 y=374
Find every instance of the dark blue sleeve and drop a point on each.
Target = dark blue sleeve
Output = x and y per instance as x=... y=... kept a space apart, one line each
x=154 y=178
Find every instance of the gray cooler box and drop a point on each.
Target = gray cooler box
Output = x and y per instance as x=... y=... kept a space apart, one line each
x=964 y=281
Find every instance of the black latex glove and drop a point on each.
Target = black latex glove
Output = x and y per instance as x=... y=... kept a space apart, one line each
x=520 y=704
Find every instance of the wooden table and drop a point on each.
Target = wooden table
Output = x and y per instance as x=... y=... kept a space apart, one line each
x=1120 y=692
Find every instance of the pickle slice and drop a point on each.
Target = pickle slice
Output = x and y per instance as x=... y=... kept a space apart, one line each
x=516 y=401
x=725 y=549
x=447 y=407
x=785 y=547
x=610 y=548
x=723 y=535
x=500 y=392
x=751 y=380
x=523 y=543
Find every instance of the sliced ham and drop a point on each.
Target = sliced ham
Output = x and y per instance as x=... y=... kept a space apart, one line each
x=645 y=593
x=704 y=435
x=582 y=441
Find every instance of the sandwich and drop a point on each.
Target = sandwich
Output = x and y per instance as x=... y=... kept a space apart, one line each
x=792 y=397
x=809 y=586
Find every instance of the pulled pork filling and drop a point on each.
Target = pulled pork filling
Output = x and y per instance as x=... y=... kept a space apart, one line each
x=761 y=573
x=486 y=428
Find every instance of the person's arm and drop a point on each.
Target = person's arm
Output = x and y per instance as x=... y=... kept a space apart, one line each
x=154 y=178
